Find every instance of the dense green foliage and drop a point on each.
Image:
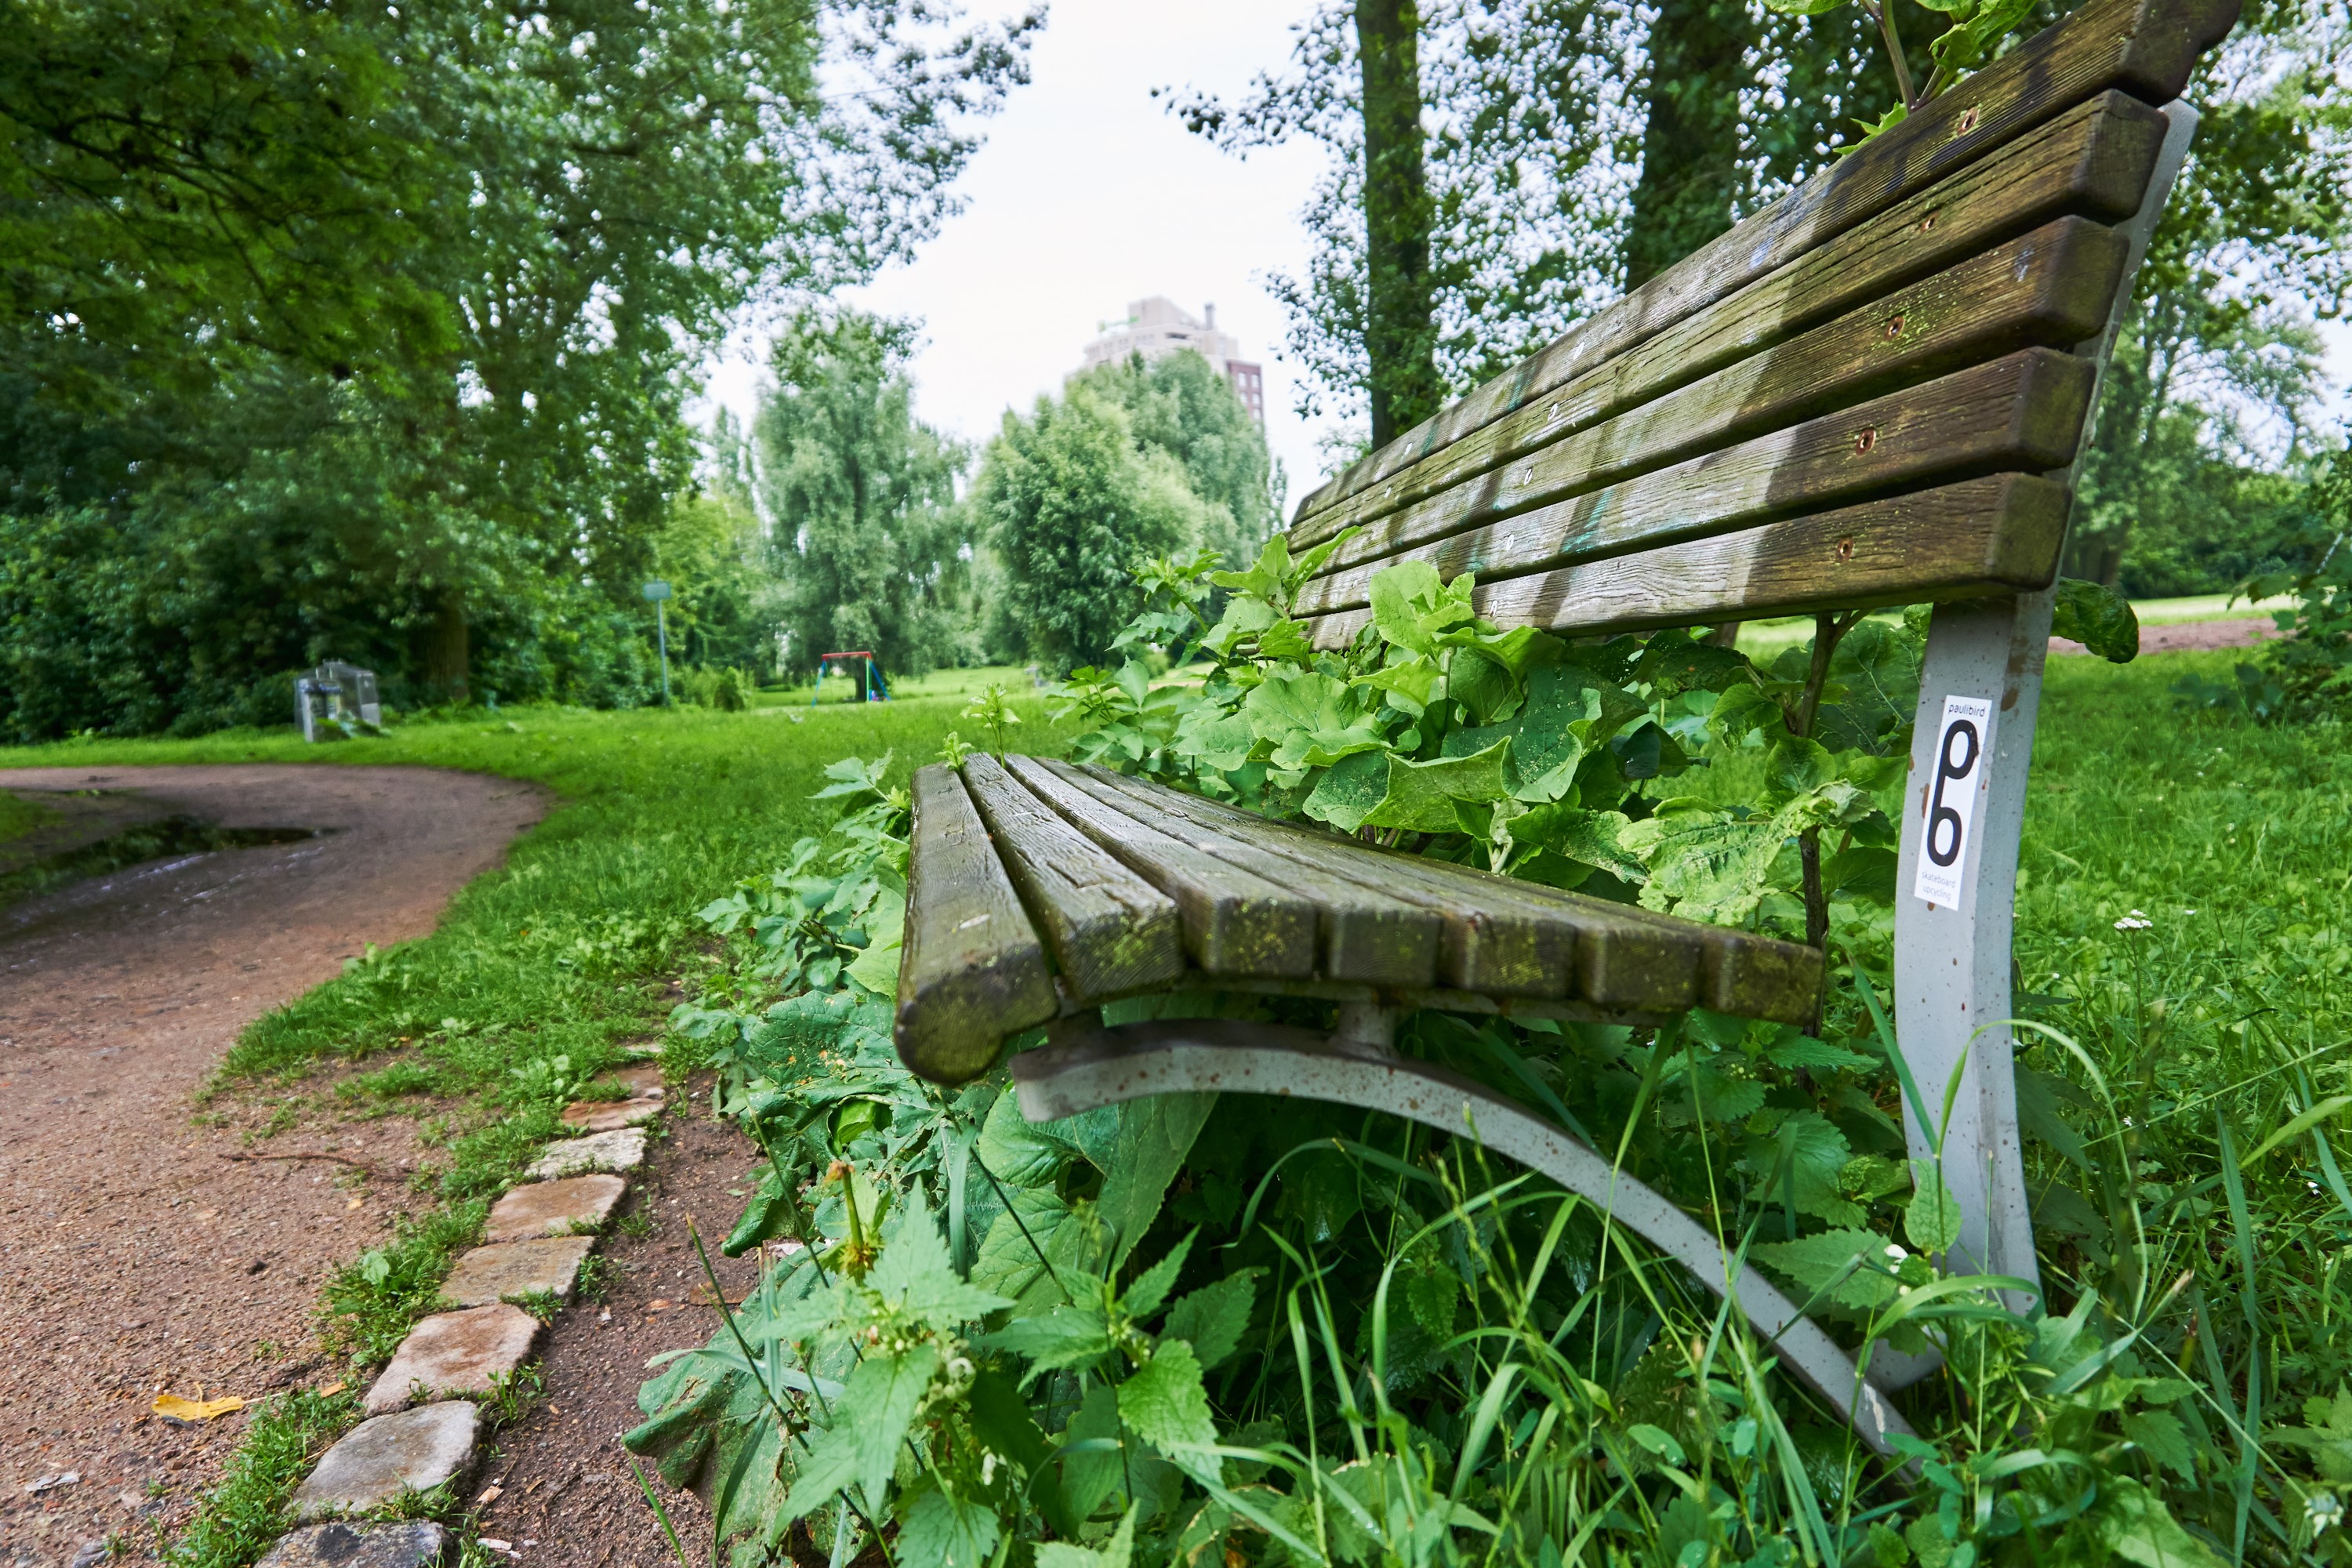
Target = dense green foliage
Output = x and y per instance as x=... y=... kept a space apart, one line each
x=1068 y=501
x=1290 y=1333
x=363 y=330
x=1178 y=405
x=867 y=540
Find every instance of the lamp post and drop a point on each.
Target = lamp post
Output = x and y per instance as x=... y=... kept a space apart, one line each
x=657 y=591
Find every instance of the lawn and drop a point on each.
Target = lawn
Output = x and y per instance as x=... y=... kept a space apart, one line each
x=2213 y=1024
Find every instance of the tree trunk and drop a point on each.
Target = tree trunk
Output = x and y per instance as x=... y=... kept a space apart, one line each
x=1399 y=335
x=446 y=650
x=1691 y=142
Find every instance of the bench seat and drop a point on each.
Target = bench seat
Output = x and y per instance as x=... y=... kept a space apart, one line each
x=1040 y=891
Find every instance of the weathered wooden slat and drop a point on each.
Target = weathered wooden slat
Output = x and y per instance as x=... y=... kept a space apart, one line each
x=1591 y=953
x=971 y=967
x=1740 y=973
x=1235 y=922
x=1111 y=931
x=1507 y=947
x=1366 y=935
x=1997 y=535
x=2021 y=412
x=2094 y=162
x=2143 y=47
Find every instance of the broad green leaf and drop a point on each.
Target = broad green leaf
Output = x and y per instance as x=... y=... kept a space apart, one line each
x=1221 y=740
x=1589 y=837
x=1090 y=1477
x=1165 y=1406
x=1803 y=1158
x=1797 y=764
x=1154 y=1135
x=1214 y=1318
x=1409 y=682
x=1421 y=795
x=1812 y=1261
x=1932 y=1223
x=936 y=1530
x=1489 y=692
x=1740 y=710
x=1804 y=1051
x=1312 y=720
x=916 y=1278
x=876 y=1408
x=2097 y=617
x=2134 y=1525
x=2162 y=1438
x=1072 y=1334
x=1350 y=792
x=1016 y=1151
x=1400 y=595
x=1150 y=1288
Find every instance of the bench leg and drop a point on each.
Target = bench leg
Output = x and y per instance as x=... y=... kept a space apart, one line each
x=1952 y=960
x=1137 y=1060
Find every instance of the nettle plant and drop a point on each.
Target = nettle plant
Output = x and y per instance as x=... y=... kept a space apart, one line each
x=1527 y=755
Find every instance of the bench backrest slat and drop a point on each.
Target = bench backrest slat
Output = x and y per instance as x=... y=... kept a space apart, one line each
x=2092 y=162
x=2145 y=48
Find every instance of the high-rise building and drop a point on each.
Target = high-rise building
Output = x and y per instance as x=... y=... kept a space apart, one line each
x=1160 y=326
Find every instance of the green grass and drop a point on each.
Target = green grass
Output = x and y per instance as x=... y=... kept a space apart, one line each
x=959 y=684
x=19 y=816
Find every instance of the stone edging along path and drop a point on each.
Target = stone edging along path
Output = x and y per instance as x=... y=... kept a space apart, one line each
x=421 y=1426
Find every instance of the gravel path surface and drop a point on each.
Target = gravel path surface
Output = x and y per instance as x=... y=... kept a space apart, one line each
x=2184 y=636
x=135 y=1257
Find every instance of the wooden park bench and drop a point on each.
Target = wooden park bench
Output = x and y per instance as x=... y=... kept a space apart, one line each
x=1872 y=393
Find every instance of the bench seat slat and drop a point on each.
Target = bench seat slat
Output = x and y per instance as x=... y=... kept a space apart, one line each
x=2143 y=47
x=1997 y=534
x=2094 y=162
x=2021 y=412
x=971 y=967
x=1112 y=934
x=1365 y=935
x=1495 y=925
x=1235 y=921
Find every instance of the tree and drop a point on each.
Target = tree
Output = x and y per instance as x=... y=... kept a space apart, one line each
x=1690 y=185
x=1070 y=503
x=365 y=331
x=860 y=496
x=2219 y=376
x=1179 y=404
x=1480 y=163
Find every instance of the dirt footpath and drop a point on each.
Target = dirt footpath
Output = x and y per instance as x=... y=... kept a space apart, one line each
x=133 y=1256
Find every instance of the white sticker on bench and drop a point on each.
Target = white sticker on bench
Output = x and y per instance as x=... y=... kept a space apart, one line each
x=1962 y=743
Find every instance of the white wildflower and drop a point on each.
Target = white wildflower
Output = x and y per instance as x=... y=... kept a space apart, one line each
x=2131 y=922
x=2324 y=1510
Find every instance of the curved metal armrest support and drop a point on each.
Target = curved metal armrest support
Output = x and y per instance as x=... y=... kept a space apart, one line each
x=1132 y=1062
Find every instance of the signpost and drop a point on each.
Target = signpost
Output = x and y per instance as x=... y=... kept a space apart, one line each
x=657 y=591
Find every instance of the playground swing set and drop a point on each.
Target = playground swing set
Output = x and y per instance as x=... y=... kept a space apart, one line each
x=873 y=688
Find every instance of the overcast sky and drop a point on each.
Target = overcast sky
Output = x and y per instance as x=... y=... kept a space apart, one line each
x=1088 y=196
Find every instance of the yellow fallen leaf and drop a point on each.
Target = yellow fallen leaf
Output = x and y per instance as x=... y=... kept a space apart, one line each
x=332 y=1388
x=354 y=1204
x=179 y=1409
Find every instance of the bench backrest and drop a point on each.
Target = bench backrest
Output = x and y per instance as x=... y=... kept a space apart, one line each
x=1870 y=393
